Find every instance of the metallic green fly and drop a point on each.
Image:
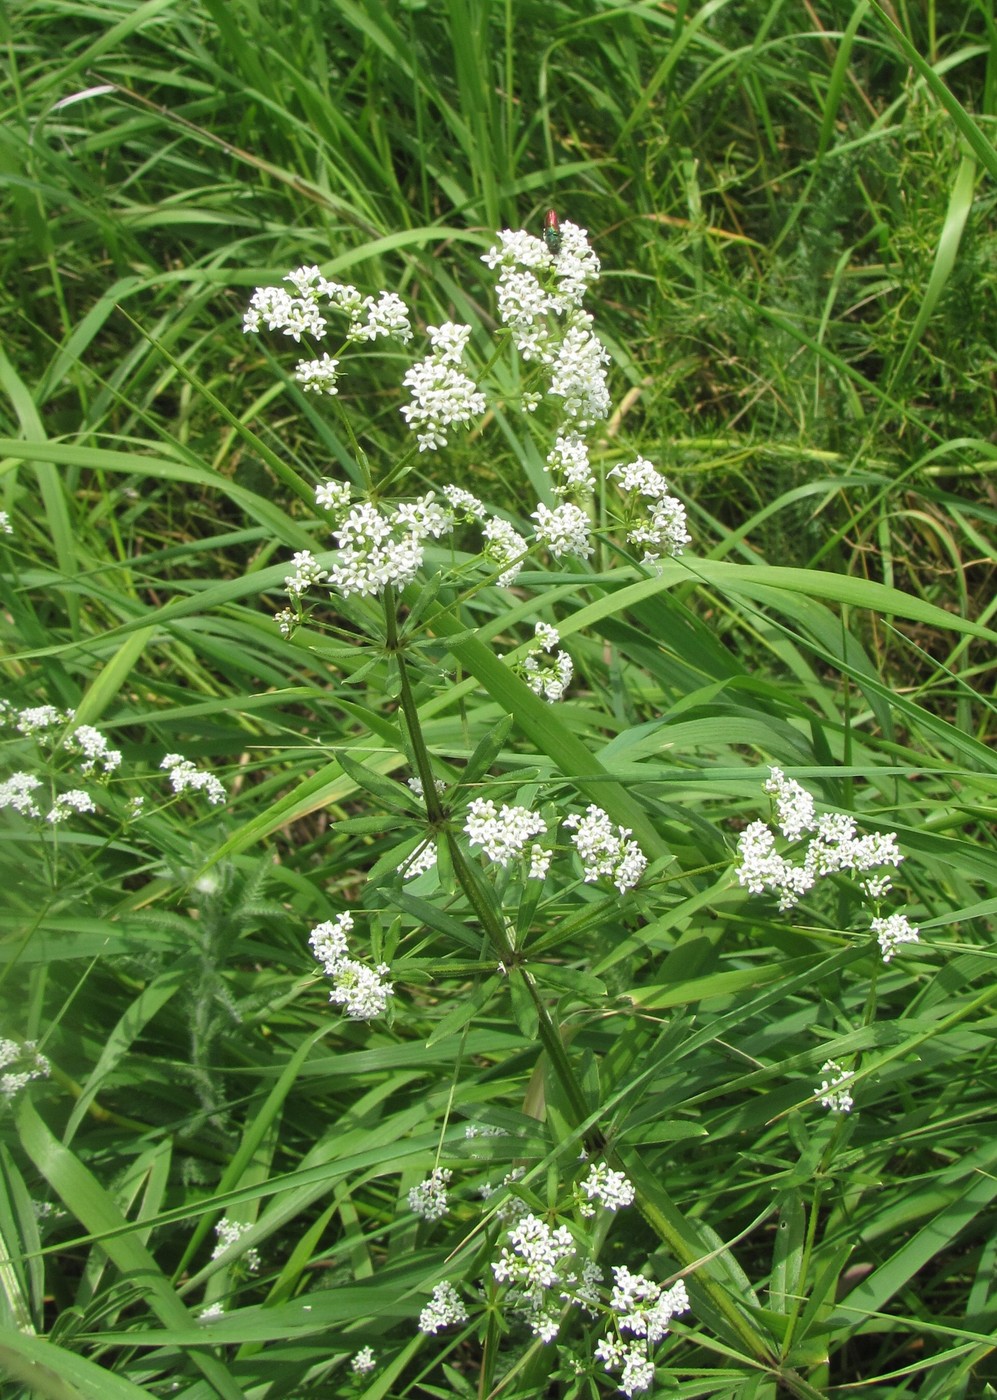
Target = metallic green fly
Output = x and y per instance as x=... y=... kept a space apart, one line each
x=552 y=232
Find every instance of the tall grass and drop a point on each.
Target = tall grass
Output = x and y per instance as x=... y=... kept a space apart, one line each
x=793 y=207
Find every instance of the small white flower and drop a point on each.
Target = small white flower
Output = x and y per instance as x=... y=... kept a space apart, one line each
x=422 y=859
x=429 y=1198
x=184 y=775
x=332 y=495
x=504 y=547
x=75 y=800
x=329 y=943
x=307 y=571
x=605 y=852
x=463 y=505
x=503 y=835
x=318 y=376
x=610 y=1187
x=93 y=745
x=229 y=1232
x=443 y=1310
x=834 y=1095
x=363 y=1362
x=662 y=530
x=892 y=932
x=563 y=530
x=35 y=1066
x=361 y=991
x=6 y=528
x=539 y=862
x=15 y=792
x=794 y=805
x=442 y=395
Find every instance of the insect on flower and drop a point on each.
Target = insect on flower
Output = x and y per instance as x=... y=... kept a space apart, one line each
x=552 y=232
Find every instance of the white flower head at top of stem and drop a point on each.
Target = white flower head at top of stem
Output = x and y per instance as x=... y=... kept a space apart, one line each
x=364 y=1362
x=429 y=1198
x=612 y=1189
x=184 y=776
x=606 y=851
x=6 y=528
x=229 y=1232
x=833 y=846
x=33 y=1065
x=379 y=547
x=540 y=1266
x=333 y=495
x=98 y=756
x=892 y=932
x=563 y=530
x=304 y=311
x=362 y=991
x=445 y=1309
x=661 y=530
x=504 y=548
x=547 y=671
x=642 y=1307
x=442 y=394
x=569 y=465
x=505 y=834
x=834 y=1094
x=525 y=290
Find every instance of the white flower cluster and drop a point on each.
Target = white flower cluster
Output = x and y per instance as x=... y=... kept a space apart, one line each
x=541 y=1267
x=513 y=1207
x=642 y=1309
x=504 y=548
x=184 y=775
x=332 y=495
x=605 y=851
x=834 y=846
x=300 y=313
x=503 y=835
x=568 y=464
x=34 y=720
x=536 y=287
x=229 y=1232
x=540 y=300
x=445 y=1309
x=442 y=394
x=546 y=670
x=15 y=793
x=362 y=991
x=66 y=803
x=363 y=1362
x=662 y=530
x=563 y=530
x=423 y=858
x=98 y=756
x=612 y=1189
x=834 y=1095
x=892 y=931
x=34 y=1066
x=429 y=1198
x=381 y=547
x=307 y=571
x=415 y=784
x=6 y=528
x=46 y=726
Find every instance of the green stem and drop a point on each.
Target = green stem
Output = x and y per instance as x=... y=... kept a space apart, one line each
x=669 y=1225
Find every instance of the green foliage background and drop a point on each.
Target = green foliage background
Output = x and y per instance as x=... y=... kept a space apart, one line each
x=794 y=209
